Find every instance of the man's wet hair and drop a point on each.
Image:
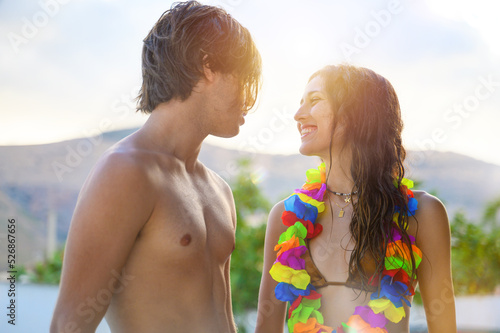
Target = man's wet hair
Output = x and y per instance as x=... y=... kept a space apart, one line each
x=188 y=37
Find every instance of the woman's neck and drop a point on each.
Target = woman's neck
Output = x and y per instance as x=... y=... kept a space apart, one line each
x=338 y=173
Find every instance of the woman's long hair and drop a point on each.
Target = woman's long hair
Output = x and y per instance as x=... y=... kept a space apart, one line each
x=366 y=106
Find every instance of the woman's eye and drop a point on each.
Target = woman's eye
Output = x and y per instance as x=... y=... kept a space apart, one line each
x=315 y=100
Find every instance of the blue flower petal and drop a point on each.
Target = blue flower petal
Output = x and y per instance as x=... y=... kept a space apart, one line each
x=412 y=206
x=302 y=209
x=393 y=291
x=288 y=293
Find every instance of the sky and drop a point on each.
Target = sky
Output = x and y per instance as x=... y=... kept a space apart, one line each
x=71 y=68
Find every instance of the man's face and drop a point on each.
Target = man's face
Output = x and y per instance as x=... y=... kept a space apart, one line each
x=226 y=108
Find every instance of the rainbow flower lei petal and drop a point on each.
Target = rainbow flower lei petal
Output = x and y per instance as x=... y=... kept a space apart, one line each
x=301 y=211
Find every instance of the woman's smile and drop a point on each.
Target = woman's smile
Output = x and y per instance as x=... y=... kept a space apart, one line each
x=307 y=130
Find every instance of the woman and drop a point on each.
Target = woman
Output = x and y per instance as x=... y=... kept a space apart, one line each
x=347 y=250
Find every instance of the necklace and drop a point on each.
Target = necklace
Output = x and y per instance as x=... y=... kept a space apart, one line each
x=346 y=195
x=341 y=213
x=300 y=215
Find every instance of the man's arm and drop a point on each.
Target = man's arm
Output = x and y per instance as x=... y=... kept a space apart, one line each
x=114 y=204
x=434 y=272
x=229 y=306
x=227 y=267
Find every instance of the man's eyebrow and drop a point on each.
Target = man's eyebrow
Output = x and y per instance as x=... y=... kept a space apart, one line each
x=308 y=94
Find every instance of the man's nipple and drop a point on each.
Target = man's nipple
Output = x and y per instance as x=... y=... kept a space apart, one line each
x=185 y=240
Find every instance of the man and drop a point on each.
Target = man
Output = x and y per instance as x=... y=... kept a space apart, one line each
x=151 y=238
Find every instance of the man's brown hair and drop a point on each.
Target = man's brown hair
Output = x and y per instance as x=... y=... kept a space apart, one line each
x=188 y=37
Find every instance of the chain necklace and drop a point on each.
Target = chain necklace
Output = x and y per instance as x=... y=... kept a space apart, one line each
x=346 y=195
x=341 y=213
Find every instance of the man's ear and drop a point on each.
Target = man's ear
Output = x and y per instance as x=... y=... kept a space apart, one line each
x=209 y=74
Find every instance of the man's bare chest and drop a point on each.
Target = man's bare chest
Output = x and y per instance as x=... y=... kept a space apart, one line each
x=191 y=225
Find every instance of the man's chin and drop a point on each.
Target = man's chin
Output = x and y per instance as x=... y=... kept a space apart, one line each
x=227 y=135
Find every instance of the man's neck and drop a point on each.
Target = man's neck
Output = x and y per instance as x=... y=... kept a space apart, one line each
x=174 y=129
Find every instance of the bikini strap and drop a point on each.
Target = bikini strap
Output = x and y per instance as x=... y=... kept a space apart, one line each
x=317 y=279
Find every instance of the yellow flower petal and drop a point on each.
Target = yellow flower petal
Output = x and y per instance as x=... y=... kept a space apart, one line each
x=318 y=204
x=407 y=182
x=391 y=312
x=298 y=278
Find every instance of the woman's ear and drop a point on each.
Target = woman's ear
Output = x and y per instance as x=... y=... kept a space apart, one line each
x=340 y=130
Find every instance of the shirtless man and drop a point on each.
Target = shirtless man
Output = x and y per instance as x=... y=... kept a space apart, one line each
x=151 y=238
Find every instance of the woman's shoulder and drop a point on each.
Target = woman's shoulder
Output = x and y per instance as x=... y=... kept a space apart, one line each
x=276 y=212
x=428 y=205
x=431 y=216
x=278 y=208
x=274 y=222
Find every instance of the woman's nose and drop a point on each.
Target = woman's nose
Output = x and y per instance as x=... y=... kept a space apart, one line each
x=300 y=114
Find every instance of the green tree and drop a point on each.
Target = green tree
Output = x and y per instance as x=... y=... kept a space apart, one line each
x=490 y=215
x=476 y=252
x=252 y=208
x=47 y=271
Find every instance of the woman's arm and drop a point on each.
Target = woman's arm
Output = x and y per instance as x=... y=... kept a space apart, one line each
x=434 y=272
x=271 y=312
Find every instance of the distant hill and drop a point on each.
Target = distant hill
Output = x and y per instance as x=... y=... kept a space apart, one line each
x=38 y=179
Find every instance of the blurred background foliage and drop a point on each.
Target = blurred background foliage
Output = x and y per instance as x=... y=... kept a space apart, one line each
x=475 y=247
x=476 y=252
x=46 y=272
x=252 y=207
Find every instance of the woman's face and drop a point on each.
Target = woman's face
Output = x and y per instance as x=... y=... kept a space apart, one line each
x=315 y=120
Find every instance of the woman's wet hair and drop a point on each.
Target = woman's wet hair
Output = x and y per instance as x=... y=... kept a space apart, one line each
x=367 y=120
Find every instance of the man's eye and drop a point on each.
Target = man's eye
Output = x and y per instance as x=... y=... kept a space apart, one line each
x=315 y=100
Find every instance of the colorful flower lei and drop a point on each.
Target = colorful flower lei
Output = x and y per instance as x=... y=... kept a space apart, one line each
x=301 y=211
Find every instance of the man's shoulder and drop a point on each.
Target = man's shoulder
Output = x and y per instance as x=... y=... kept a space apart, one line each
x=119 y=160
x=122 y=166
x=137 y=157
x=215 y=179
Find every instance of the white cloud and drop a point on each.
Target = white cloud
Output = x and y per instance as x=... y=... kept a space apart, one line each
x=481 y=15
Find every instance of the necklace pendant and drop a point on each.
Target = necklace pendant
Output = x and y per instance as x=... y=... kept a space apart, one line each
x=347 y=199
x=341 y=213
